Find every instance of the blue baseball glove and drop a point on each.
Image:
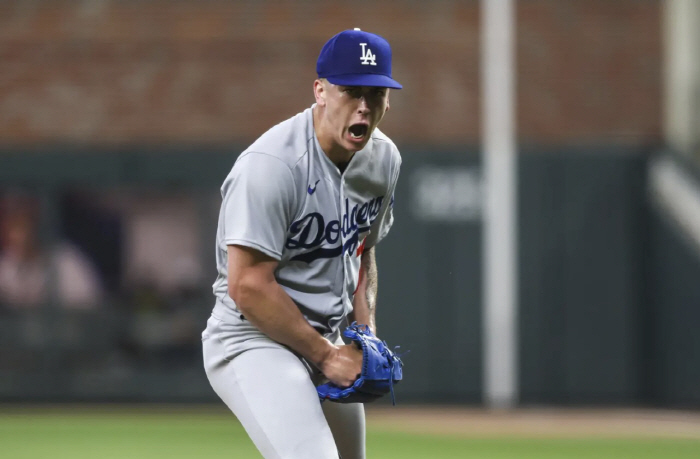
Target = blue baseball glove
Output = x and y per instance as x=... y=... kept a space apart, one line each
x=381 y=369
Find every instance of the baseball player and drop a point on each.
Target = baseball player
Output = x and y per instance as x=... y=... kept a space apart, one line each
x=303 y=208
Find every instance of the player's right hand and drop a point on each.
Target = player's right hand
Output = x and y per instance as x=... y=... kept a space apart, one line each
x=343 y=365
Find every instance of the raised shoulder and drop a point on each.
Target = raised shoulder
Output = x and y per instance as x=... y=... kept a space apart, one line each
x=288 y=141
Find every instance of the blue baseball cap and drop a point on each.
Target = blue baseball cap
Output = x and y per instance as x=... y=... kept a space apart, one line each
x=357 y=58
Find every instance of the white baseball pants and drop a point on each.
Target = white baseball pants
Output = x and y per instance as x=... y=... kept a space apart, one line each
x=272 y=393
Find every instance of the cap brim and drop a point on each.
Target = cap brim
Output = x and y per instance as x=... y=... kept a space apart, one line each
x=364 y=79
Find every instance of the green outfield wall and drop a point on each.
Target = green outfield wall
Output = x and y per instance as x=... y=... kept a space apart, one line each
x=608 y=287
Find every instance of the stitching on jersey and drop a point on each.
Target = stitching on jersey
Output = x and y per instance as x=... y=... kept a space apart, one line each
x=254 y=245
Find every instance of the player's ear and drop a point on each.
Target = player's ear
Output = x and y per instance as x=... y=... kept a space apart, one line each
x=388 y=105
x=320 y=92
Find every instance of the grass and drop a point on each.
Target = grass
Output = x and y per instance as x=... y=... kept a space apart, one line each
x=176 y=434
x=382 y=445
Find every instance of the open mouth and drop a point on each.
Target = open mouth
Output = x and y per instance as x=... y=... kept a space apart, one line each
x=358 y=131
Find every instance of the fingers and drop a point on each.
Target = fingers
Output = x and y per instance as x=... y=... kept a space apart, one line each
x=344 y=366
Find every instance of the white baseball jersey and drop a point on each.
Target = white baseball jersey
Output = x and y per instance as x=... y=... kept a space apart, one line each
x=285 y=198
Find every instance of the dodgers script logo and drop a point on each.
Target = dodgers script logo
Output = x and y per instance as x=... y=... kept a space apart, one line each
x=367 y=57
x=312 y=231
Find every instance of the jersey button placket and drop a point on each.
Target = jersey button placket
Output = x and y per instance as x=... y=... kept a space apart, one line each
x=344 y=260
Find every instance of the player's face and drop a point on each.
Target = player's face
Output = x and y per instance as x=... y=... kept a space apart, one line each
x=351 y=113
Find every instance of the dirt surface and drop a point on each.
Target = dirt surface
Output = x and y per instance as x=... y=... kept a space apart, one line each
x=457 y=421
x=563 y=423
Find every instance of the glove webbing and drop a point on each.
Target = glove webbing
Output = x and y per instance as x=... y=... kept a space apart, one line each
x=357 y=327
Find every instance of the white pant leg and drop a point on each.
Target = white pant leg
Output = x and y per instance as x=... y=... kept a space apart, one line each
x=271 y=394
x=347 y=422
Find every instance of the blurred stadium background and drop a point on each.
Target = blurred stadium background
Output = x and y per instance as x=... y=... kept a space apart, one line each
x=119 y=119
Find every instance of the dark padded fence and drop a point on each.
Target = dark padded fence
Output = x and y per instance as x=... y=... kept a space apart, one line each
x=607 y=289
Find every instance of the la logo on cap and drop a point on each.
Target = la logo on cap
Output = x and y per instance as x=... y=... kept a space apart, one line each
x=356 y=58
x=367 y=57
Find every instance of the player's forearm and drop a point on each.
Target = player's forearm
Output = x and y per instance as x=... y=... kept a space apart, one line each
x=365 y=300
x=267 y=306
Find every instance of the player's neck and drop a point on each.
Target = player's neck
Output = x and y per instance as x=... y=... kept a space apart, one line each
x=337 y=154
x=341 y=158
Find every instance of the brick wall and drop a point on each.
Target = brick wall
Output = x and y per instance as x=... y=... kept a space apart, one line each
x=126 y=71
x=589 y=71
